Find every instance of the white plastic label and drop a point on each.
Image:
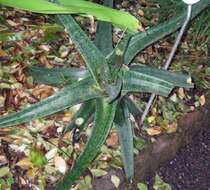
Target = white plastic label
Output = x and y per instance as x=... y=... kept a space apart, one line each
x=190 y=2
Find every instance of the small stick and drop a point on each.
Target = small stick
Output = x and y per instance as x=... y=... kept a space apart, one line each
x=168 y=62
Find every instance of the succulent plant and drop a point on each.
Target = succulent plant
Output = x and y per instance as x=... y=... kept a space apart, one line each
x=103 y=87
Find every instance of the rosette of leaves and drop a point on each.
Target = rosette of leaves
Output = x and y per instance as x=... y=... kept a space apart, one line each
x=103 y=87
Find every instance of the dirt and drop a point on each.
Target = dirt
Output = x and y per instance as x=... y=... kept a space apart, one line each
x=190 y=168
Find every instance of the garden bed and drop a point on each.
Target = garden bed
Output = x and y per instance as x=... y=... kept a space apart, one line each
x=163 y=149
x=31 y=40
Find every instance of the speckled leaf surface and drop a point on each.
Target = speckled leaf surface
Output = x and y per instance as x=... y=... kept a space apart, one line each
x=103 y=120
x=65 y=98
x=94 y=59
x=56 y=76
x=177 y=79
x=125 y=133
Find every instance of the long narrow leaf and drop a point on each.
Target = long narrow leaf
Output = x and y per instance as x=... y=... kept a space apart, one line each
x=132 y=107
x=116 y=58
x=67 y=97
x=81 y=118
x=85 y=8
x=125 y=133
x=38 y=6
x=144 y=39
x=103 y=38
x=137 y=82
x=95 y=60
x=57 y=76
x=177 y=79
x=118 y=18
x=103 y=120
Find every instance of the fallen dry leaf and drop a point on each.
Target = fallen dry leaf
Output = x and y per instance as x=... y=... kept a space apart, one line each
x=12 y=23
x=43 y=91
x=112 y=141
x=202 y=100
x=51 y=153
x=181 y=93
x=115 y=180
x=25 y=163
x=189 y=80
x=4 y=171
x=60 y=164
x=140 y=12
x=154 y=131
x=171 y=128
x=3 y=53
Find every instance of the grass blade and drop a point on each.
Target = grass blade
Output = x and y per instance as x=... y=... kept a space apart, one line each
x=125 y=133
x=103 y=120
x=65 y=98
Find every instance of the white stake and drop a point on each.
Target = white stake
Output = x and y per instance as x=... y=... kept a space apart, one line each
x=171 y=55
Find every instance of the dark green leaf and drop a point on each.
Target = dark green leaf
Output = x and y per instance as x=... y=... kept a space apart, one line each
x=103 y=38
x=132 y=107
x=94 y=59
x=125 y=132
x=103 y=120
x=82 y=117
x=144 y=39
x=57 y=76
x=113 y=90
x=177 y=79
x=137 y=82
x=70 y=95
x=116 y=58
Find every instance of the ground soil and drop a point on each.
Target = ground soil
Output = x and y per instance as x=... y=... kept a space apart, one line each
x=190 y=168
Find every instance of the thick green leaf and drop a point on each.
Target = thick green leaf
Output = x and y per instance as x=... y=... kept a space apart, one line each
x=85 y=8
x=138 y=82
x=125 y=133
x=70 y=95
x=82 y=117
x=144 y=39
x=57 y=76
x=177 y=79
x=114 y=90
x=116 y=58
x=39 y=6
x=103 y=120
x=94 y=59
x=103 y=38
x=118 y=18
x=132 y=107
